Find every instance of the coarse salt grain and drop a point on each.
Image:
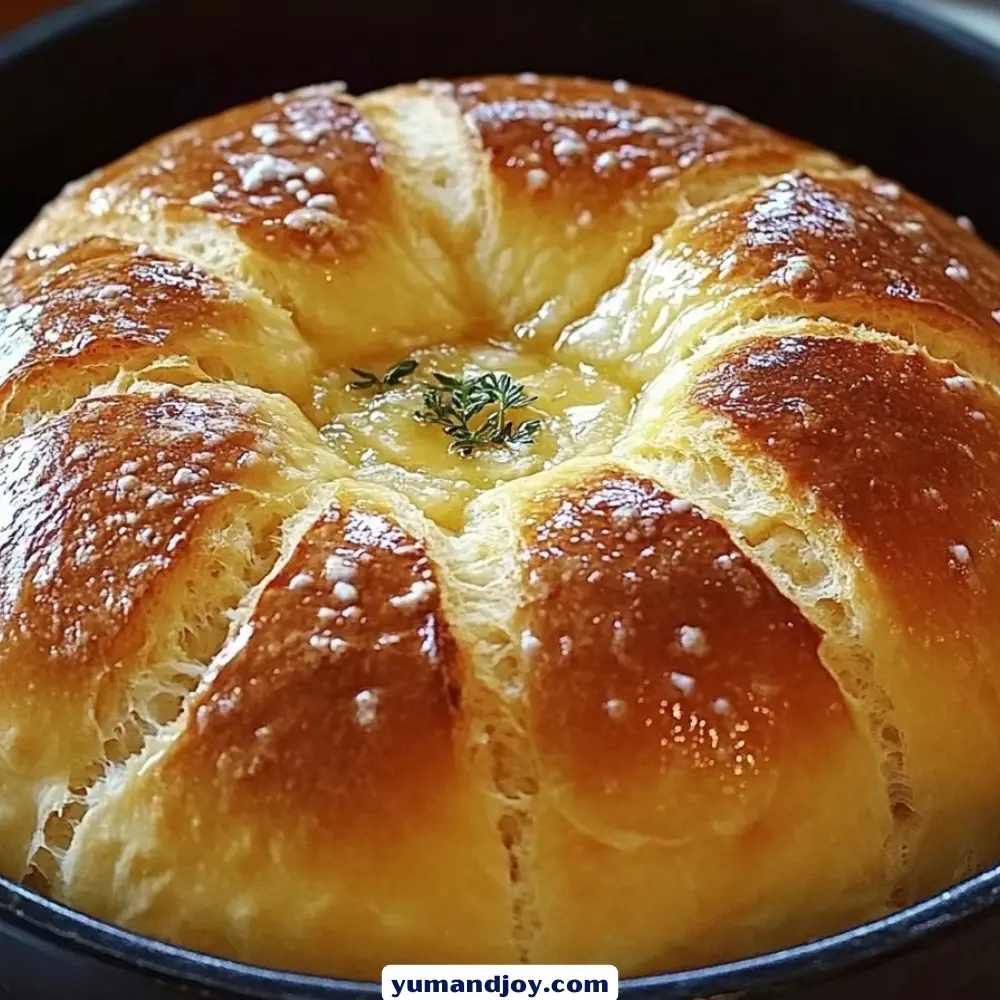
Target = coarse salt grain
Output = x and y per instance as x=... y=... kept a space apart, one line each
x=605 y=161
x=185 y=477
x=615 y=708
x=797 y=268
x=692 y=640
x=321 y=201
x=347 y=593
x=417 y=595
x=966 y=223
x=721 y=706
x=207 y=199
x=957 y=382
x=956 y=270
x=624 y=514
x=111 y=292
x=337 y=569
x=683 y=682
x=365 y=705
x=568 y=145
x=680 y=506
x=653 y=124
x=314 y=175
x=530 y=643
x=961 y=553
x=536 y=179
x=265 y=169
x=266 y=133
x=303 y=219
x=301 y=581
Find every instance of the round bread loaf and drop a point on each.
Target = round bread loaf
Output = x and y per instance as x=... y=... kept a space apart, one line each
x=703 y=663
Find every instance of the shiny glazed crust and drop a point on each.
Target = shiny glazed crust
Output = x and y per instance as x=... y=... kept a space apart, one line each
x=715 y=677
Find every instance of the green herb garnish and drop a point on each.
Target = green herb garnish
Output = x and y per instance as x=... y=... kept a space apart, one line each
x=455 y=403
x=395 y=375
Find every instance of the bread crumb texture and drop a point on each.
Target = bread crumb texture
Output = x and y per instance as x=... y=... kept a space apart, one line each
x=705 y=666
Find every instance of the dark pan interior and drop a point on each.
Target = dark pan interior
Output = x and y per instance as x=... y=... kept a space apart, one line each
x=900 y=92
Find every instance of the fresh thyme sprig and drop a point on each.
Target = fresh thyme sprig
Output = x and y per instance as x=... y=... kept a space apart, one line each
x=455 y=403
x=369 y=380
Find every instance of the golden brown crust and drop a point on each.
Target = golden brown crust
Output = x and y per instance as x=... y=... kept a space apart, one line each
x=867 y=475
x=582 y=174
x=129 y=523
x=668 y=588
x=855 y=250
x=669 y=679
x=298 y=176
x=349 y=663
x=98 y=306
x=615 y=148
x=338 y=708
x=903 y=451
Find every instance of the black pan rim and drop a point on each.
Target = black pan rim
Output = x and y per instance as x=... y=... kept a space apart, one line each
x=23 y=910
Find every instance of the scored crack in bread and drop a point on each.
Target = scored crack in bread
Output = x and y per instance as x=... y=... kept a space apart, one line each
x=701 y=667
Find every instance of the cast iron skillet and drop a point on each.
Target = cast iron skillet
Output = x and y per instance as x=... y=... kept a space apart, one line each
x=902 y=92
